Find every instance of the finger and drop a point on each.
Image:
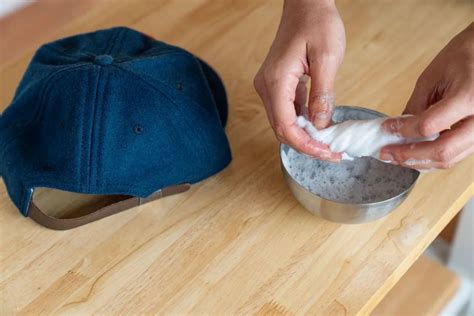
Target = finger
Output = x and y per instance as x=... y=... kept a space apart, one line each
x=451 y=147
x=278 y=91
x=437 y=118
x=321 y=99
x=303 y=143
x=286 y=130
x=261 y=89
x=301 y=96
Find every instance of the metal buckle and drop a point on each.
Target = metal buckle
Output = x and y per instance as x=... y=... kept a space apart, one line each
x=171 y=190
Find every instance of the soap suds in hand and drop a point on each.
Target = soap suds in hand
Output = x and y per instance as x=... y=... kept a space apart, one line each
x=363 y=180
x=356 y=138
x=414 y=162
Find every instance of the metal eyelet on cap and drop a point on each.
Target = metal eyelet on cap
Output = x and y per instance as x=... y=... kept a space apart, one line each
x=138 y=129
x=103 y=60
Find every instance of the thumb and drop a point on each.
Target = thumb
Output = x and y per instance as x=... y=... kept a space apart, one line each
x=321 y=96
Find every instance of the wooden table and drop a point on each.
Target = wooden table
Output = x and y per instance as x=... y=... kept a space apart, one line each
x=238 y=242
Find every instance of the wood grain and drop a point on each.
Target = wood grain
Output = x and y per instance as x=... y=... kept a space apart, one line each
x=423 y=291
x=238 y=242
x=32 y=25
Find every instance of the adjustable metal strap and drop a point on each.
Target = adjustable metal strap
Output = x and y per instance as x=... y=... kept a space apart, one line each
x=171 y=190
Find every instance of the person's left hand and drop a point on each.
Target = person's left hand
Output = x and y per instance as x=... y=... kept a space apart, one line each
x=442 y=102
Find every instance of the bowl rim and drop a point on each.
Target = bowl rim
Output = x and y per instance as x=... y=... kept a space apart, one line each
x=340 y=202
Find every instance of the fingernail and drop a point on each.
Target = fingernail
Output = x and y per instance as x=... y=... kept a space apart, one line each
x=320 y=155
x=322 y=115
x=386 y=157
x=335 y=158
x=304 y=78
x=326 y=156
x=321 y=152
x=325 y=106
x=393 y=125
x=318 y=147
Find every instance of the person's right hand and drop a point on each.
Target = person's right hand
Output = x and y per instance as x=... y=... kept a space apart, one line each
x=310 y=41
x=442 y=102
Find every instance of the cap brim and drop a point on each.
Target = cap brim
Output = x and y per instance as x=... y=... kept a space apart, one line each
x=217 y=89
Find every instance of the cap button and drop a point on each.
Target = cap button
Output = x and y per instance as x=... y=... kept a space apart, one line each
x=103 y=60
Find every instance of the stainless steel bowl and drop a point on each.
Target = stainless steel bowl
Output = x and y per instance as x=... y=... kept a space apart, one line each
x=349 y=213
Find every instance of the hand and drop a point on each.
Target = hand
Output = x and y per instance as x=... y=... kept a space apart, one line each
x=442 y=102
x=310 y=41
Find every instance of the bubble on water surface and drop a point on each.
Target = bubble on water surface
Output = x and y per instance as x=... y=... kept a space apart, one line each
x=362 y=180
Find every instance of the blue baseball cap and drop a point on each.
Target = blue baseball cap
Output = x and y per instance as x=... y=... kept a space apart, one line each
x=113 y=112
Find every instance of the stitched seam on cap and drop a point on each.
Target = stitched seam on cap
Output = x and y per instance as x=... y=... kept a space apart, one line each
x=114 y=41
x=213 y=97
x=98 y=147
x=81 y=112
x=170 y=52
x=119 y=40
x=92 y=132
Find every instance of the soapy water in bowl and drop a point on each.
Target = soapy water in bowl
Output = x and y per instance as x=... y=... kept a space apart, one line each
x=362 y=180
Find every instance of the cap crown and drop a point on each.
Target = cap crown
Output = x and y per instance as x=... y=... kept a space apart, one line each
x=112 y=112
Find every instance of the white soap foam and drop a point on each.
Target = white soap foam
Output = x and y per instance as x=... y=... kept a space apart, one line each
x=357 y=138
x=361 y=180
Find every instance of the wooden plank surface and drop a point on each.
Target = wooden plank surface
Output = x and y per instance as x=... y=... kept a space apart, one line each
x=29 y=27
x=423 y=291
x=238 y=242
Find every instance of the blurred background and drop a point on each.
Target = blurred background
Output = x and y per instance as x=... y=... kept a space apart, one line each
x=26 y=24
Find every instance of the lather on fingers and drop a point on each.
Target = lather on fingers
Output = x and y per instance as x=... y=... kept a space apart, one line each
x=321 y=98
x=321 y=109
x=299 y=140
x=279 y=91
x=443 y=102
x=448 y=149
x=437 y=118
x=310 y=41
